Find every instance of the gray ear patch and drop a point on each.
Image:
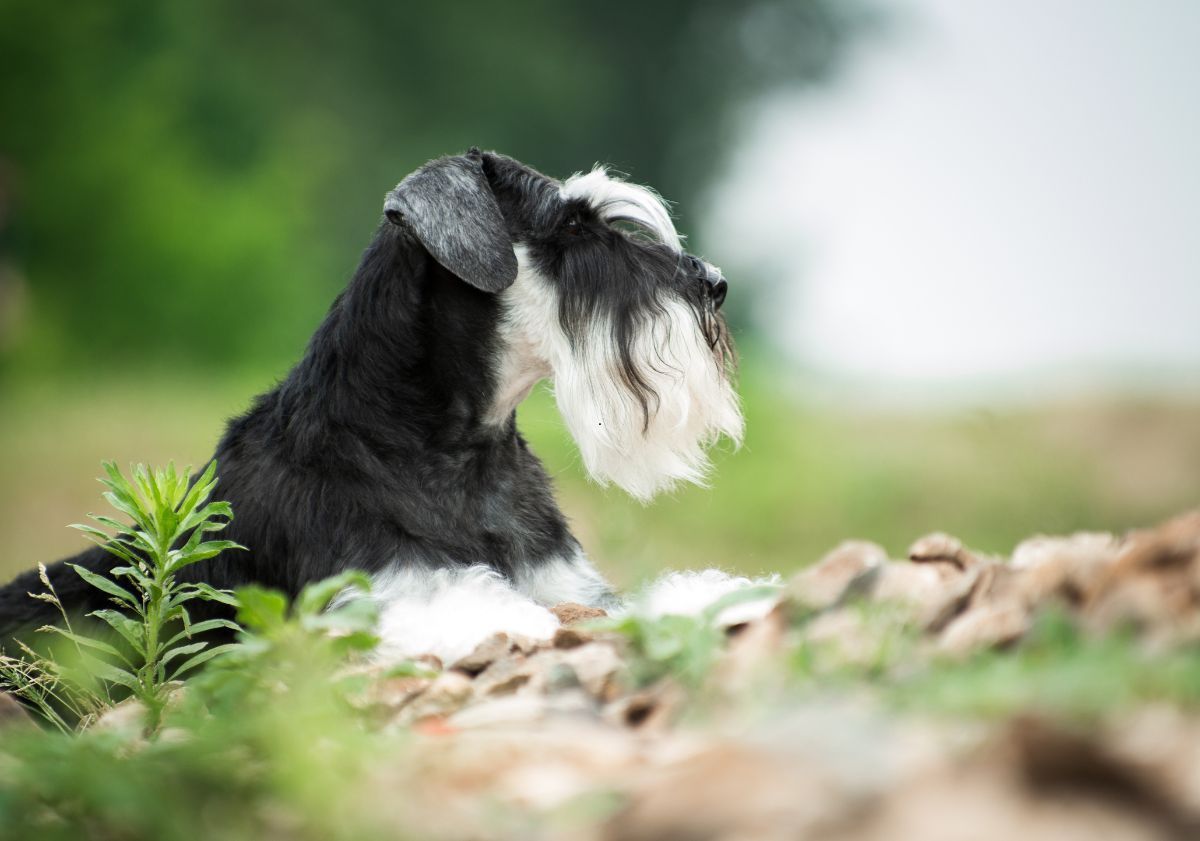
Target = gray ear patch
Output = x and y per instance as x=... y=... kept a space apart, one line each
x=449 y=206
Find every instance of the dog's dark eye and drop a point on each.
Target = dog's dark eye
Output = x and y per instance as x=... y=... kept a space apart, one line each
x=573 y=226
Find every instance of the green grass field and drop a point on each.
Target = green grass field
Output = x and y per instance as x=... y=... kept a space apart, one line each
x=805 y=479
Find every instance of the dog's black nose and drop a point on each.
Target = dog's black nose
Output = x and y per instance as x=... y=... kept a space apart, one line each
x=716 y=290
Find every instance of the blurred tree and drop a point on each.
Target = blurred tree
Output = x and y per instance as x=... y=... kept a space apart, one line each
x=190 y=181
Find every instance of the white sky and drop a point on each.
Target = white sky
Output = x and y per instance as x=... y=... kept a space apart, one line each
x=1004 y=188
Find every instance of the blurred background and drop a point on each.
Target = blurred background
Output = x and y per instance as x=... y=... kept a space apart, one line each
x=961 y=239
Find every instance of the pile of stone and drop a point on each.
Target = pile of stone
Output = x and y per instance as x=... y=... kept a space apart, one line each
x=1147 y=580
x=526 y=739
x=958 y=600
x=511 y=679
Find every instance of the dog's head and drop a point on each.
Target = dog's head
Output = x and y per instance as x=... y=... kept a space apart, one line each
x=596 y=293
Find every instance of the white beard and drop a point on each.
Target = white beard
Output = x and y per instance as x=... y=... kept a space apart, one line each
x=643 y=452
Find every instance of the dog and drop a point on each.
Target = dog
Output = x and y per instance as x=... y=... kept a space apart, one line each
x=392 y=446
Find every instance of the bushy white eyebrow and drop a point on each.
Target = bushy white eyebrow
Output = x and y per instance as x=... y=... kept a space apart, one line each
x=615 y=199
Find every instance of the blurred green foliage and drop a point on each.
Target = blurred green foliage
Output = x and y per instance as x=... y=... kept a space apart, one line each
x=682 y=647
x=264 y=742
x=192 y=164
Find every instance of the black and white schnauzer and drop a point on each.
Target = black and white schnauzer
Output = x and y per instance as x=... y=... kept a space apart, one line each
x=392 y=446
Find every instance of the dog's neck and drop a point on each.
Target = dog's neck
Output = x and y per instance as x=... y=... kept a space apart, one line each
x=376 y=451
x=408 y=348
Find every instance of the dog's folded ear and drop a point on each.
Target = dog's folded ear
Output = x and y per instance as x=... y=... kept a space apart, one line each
x=448 y=204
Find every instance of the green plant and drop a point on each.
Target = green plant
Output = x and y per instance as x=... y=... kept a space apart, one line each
x=50 y=684
x=344 y=627
x=171 y=515
x=270 y=741
x=298 y=648
x=682 y=646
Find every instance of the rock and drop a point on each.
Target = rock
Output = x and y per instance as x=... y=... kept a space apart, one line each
x=504 y=677
x=844 y=636
x=1079 y=548
x=511 y=773
x=599 y=668
x=825 y=582
x=506 y=710
x=573 y=703
x=395 y=692
x=729 y=791
x=996 y=583
x=754 y=649
x=941 y=548
x=1154 y=584
x=929 y=595
x=493 y=648
x=992 y=588
x=381 y=691
x=1160 y=740
x=431 y=661
x=652 y=710
x=12 y=714
x=527 y=645
x=956 y=599
x=129 y=716
x=1062 y=568
x=1054 y=760
x=570 y=638
x=988 y=625
x=560 y=677
x=448 y=693
x=997 y=792
x=570 y=613
x=595 y=666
